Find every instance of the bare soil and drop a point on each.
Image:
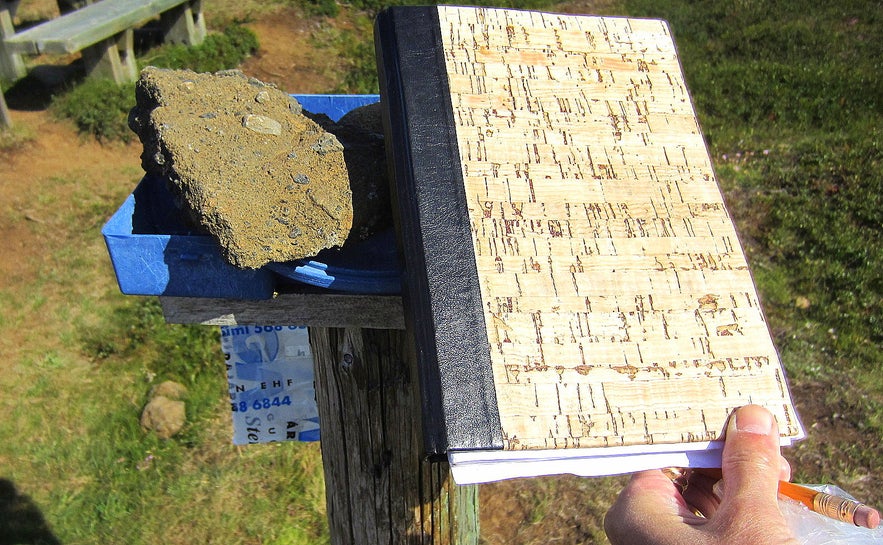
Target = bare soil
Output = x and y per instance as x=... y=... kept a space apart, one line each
x=288 y=56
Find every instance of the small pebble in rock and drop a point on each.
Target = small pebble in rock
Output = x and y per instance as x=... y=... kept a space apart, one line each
x=262 y=124
x=327 y=143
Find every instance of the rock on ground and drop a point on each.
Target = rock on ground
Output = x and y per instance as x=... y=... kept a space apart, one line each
x=165 y=413
x=169 y=389
x=164 y=416
x=269 y=183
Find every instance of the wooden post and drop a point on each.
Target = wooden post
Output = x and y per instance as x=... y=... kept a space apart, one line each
x=113 y=58
x=380 y=489
x=184 y=24
x=5 y=119
x=12 y=66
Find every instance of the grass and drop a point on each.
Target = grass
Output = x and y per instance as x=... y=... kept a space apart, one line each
x=219 y=51
x=13 y=138
x=353 y=46
x=789 y=97
x=98 y=108
x=72 y=452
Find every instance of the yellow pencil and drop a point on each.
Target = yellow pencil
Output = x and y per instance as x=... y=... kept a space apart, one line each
x=832 y=506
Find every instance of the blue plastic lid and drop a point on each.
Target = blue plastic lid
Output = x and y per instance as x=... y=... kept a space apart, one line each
x=370 y=266
x=334 y=106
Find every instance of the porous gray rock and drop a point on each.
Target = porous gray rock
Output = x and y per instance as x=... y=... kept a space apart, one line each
x=266 y=181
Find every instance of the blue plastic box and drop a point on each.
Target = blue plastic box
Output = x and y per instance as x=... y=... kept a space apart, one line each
x=154 y=252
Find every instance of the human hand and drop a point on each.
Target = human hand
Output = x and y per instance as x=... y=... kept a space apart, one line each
x=654 y=510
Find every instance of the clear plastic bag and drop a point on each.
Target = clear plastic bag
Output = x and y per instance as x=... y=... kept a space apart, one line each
x=811 y=528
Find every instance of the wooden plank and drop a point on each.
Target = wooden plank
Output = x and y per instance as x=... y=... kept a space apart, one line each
x=380 y=488
x=87 y=26
x=309 y=309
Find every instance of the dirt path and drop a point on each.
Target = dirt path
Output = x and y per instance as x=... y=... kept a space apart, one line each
x=288 y=56
x=56 y=153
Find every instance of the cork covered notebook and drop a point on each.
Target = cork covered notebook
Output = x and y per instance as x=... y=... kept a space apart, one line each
x=577 y=291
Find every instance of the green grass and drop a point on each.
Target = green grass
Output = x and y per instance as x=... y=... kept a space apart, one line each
x=80 y=359
x=354 y=48
x=13 y=138
x=98 y=108
x=219 y=51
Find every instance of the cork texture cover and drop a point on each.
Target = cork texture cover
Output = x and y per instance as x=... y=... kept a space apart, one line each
x=618 y=307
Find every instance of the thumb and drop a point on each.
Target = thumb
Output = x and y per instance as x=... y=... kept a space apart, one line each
x=751 y=466
x=751 y=457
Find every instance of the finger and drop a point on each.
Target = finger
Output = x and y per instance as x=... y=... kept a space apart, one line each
x=649 y=509
x=751 y=461
x=784 y=469
x=699 y=494
x=751 y=465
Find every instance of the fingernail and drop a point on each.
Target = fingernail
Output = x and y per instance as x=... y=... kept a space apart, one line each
x=753 y=419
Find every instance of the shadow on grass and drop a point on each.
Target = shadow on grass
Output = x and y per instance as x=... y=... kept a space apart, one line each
x=21 y=522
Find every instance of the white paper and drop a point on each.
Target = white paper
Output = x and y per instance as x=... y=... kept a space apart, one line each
x=475 y=467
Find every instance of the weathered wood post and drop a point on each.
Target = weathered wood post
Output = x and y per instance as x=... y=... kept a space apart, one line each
x=5 y=118
x=112 y=58
x=11 y=64
x=12 y=67
x=184 y=24
x=380 y=489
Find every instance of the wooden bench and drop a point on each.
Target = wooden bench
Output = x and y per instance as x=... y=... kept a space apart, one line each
x=102 y=31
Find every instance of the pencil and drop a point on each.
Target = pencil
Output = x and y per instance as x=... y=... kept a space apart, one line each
x=832 y=506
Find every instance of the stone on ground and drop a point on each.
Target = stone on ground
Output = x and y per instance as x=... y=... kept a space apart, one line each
x=165 y=413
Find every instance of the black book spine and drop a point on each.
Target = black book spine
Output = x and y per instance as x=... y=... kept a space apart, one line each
x=442 y=292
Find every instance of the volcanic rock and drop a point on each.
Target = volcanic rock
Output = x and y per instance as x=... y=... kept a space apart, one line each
x=265 y=180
